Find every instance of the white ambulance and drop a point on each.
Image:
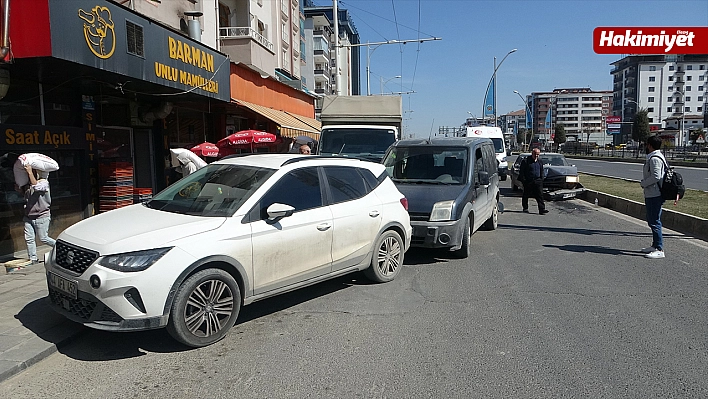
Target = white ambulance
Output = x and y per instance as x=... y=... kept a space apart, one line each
x=497 y=137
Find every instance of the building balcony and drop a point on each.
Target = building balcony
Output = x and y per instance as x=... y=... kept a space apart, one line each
x=321 y=75
x=321 y=56
x=679 y=73
x=679 y=81
x=228 y=33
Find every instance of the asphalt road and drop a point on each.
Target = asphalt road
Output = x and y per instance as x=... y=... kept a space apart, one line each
x=560 y=305
x=695 y=178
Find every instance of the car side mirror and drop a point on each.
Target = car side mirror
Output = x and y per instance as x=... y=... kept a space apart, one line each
x=278 y=211
x=484 y=178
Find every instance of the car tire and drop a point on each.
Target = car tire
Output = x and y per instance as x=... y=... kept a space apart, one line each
x=387 y=259
x=220 y=298
x=464 y=251
x=493 y=221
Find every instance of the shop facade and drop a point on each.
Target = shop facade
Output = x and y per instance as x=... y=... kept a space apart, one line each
x=105 y=92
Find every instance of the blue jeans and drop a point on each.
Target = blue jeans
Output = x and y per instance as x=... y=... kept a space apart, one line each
x=653 y=206
x=38 y=227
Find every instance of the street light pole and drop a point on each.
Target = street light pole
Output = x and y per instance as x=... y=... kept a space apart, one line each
x=528 y=109
x=494 y=79
x=384 y=83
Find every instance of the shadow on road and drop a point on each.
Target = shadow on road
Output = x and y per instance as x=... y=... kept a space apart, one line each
x=426 y=256
x=96 y=345
x=585 y=232
x=594 y=249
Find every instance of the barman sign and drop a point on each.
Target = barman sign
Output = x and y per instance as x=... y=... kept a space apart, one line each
x=692 y=40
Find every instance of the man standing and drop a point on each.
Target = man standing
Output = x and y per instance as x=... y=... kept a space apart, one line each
x=531 y=175
x=652 y=175
x=37 y=216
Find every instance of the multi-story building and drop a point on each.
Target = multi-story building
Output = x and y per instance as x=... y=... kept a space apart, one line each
x=510 y=124
x=322 y=74
x=665 y=85
x=581 y=111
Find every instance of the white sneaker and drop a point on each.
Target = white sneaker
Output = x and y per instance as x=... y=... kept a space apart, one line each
x=655 y=255
x=647 y=250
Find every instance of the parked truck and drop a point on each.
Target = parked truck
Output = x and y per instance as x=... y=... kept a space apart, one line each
x=360 y=126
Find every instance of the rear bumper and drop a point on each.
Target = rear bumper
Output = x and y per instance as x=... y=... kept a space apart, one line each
x=437 y=234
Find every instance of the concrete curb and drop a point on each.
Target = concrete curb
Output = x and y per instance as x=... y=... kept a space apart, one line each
x=681 y=222
x=642 y=159
x=37 y=349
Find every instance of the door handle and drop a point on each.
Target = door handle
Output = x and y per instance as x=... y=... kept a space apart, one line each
x=374 y=214
x=323 y=226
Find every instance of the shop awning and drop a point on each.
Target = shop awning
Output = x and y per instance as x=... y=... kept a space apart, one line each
x=291 y=125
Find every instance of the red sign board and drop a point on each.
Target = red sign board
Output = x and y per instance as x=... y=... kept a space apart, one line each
x=650 y=40
x=613 y=119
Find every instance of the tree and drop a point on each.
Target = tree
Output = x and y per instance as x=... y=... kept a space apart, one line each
x=524 y=136
x=640 y=126
x=560 y=134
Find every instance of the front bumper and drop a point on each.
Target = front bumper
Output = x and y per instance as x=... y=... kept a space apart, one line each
x=91 y=312
x=123 y=301
x=561 y=194
x=437 y=234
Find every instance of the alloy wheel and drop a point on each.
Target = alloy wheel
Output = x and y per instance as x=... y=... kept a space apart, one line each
x=209 y=307
x=389 y=257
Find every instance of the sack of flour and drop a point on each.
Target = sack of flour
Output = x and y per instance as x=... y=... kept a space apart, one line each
x=182 y=156
x=40 y=162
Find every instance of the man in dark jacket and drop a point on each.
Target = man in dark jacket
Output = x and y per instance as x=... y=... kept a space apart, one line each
x=531 y=175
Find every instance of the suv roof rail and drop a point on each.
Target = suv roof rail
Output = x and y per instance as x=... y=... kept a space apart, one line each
x=317 y=157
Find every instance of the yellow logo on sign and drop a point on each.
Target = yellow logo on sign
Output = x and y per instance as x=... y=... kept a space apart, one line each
x=98 y=31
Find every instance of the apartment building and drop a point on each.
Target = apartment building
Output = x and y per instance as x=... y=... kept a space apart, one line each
x=581 y=111
x=323 y=74
x=665 y=85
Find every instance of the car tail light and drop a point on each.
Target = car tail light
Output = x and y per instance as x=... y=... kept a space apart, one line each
x=404 y=202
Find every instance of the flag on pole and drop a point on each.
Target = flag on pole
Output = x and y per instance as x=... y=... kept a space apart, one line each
x=548 y=119
x=529 y=122
x=489 y=99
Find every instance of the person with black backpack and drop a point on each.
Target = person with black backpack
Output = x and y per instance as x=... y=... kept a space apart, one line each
x=653 y=175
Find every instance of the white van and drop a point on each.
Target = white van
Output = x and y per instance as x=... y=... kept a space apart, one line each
x=497 y=137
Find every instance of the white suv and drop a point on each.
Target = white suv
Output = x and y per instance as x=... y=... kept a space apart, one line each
x=236 y=231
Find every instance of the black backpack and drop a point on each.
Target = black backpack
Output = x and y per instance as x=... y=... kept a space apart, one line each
x=672 y=188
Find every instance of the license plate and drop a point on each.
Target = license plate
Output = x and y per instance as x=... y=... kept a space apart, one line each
x=569 y=195
x=66 y=287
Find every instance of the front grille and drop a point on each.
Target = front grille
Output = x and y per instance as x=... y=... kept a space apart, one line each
x=78 y=307
x=87 y=307
x=419 y=216
x=73 y=258
x=417 y=240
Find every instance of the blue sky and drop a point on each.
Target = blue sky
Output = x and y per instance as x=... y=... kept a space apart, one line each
x=450 y=76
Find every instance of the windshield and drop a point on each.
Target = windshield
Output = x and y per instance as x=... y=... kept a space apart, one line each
x=554 y=160
x=498 y=145
x=214 y=190
x=357 y=141
x=432 y=165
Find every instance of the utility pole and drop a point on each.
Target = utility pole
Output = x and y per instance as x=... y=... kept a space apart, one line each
x=337 y=85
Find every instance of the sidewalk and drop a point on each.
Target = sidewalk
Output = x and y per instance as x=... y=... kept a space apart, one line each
x=29 y=329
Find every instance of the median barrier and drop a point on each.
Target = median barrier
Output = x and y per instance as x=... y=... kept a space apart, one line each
x=678 y=221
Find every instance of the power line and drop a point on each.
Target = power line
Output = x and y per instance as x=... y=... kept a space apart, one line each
x=385 y=19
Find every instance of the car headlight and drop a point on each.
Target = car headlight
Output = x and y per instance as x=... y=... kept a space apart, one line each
x=571 y=179
x=442 y=211
x=133 y=261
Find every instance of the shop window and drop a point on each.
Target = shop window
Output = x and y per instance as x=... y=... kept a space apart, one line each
x=135 y=39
